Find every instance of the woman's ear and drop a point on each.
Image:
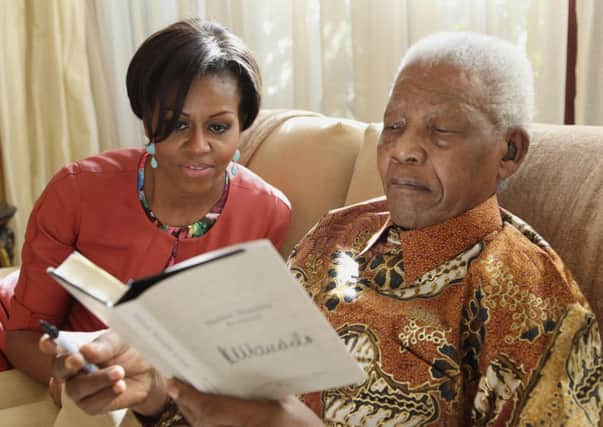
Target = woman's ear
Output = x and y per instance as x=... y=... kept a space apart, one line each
x=518 y=141
x=145 y=124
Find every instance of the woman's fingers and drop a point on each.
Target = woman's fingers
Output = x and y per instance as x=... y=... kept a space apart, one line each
x=55 y=387
x=105 y=400
x=104 y=348
x=47 y=345
x=82 y=386
x=123 y=379
x=66 y=365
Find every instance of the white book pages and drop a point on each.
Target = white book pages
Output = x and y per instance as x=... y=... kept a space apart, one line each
x=233 y=322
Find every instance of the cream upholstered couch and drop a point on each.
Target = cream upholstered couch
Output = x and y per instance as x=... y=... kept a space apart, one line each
x=322 y=163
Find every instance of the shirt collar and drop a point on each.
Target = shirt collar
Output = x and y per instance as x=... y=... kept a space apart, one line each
x=426 y=248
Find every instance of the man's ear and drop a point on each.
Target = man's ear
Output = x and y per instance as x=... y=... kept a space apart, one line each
x=518 y=141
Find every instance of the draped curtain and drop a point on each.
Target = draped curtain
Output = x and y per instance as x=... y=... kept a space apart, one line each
x=47 y=115
x=63 y=64
x=589 y=66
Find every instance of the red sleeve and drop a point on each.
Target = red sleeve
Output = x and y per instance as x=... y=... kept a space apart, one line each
x=279 y=225
x=50 y=237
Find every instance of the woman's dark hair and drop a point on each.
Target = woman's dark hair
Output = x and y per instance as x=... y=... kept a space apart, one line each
x=164 y=67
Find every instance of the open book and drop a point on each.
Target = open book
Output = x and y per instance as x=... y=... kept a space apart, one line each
x=233 y=321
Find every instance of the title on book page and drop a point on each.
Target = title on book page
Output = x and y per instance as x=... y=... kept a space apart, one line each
x=247 y=351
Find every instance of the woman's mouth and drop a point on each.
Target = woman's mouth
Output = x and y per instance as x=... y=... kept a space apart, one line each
x=196 y=170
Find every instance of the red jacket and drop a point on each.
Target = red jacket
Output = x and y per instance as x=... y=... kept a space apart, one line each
x=92 y=206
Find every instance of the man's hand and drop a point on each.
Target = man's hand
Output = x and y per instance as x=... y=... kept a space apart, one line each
x=124 y=378
x=203 y=410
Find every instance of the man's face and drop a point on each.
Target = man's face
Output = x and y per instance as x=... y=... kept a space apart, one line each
x=439 y=152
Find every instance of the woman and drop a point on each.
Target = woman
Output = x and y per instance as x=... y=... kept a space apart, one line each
x=195 y=86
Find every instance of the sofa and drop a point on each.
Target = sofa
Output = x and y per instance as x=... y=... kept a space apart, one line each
x=322 y=163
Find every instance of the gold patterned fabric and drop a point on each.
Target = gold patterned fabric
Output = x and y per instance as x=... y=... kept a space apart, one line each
x=474 y=321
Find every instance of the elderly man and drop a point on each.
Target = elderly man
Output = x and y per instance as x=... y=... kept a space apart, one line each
x=457 y=310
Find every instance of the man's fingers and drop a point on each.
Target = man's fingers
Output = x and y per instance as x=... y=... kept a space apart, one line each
x=104 y=348
x=82 y=386
x=193 y=417
x=203 y=409
x=219 y=410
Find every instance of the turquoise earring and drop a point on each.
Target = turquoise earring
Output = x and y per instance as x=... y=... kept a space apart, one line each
x=151 y=150
x=234 y=169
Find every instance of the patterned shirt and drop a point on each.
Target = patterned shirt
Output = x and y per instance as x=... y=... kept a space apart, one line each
x=471 y=322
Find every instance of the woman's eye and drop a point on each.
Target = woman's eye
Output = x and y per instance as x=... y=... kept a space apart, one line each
x=218 y=128
x=180 y=126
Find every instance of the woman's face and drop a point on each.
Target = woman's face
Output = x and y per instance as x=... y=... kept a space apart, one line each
x=193 y=158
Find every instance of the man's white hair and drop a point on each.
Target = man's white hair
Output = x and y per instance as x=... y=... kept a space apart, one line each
x=501 y=66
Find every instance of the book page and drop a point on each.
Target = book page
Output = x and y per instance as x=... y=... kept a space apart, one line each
x=96 y=289
x=240 y=325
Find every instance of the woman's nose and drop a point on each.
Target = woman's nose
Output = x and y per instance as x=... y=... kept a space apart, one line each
x=198 y=142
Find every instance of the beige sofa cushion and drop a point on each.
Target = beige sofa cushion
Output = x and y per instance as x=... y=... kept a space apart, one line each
x=366 y=183
x=558 y=190
x=307 y=156
x=28 y=404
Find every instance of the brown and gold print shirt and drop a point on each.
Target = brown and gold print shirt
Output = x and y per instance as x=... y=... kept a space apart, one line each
x=471 y=322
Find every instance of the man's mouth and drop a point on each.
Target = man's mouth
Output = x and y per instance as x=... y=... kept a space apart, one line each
x=408 y=183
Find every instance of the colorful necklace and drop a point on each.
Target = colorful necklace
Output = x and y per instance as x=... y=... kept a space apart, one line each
x=197 y=228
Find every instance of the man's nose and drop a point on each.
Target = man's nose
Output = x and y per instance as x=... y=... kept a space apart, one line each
x=409 y=149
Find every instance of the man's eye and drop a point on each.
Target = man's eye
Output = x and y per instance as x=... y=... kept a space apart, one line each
x=218 y=128
x=395 y=126
x=444 y=129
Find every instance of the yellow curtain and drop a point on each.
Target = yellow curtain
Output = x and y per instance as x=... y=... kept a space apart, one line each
x=47 y=115
x=589 y=67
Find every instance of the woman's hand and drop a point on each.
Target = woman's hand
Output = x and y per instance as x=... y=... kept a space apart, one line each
x=204 y=410
x=124 y=378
